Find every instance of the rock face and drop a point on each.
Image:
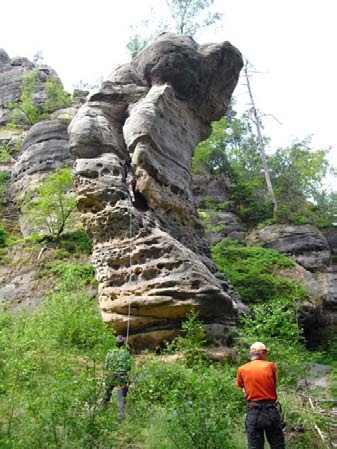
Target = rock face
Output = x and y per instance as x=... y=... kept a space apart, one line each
x=303 y=243
x=151 y=259
x=44 y=149
x=213 y=201
x=316 y=270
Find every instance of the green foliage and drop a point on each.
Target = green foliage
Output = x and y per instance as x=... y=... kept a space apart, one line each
x=198 y=407
x=5 y=153
x=192 y=339
x=297 y=174
x=5 y=177
x=136 y=44
x=50 y=385
x=254 y=272
x=2 y=236
x=57 y=97
x=189 y=16
x=76 y=242
x=27 y=106
x=274 y=302
x=50 y=208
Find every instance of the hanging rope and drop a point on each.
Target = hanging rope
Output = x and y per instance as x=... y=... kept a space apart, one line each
x=130 y=270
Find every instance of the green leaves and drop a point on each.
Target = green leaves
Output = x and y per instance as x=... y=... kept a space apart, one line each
x=254 y=271
x=50 y=208
x=189 y=16
x=57 y=97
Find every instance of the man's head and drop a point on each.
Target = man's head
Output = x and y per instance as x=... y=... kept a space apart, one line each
x=120 y=340
x=258 y=351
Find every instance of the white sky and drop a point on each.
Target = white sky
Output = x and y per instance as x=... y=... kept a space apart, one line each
x=292 y=43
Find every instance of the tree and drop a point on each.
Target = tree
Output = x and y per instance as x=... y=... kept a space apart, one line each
x=257 y=123
x=188 y=17
x=50 y=207
x=298 y=173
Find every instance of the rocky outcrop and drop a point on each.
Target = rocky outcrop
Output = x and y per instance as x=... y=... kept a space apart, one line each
x=213 y=202
x=151 y=259
x=12 y=74
x=210 y=188
x=303 y=243
x=44 y=149
x=314 y=253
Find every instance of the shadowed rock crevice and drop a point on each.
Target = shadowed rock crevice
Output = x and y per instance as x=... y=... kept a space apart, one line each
x=149 y=116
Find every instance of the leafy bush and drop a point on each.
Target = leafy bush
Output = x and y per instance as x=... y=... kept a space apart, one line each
x=254 y=272
x=50 y=364
x=198 y=407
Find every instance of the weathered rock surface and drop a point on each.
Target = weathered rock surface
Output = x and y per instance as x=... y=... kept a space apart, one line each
x=152 y=113
x=12 y=74
x=207 y=187
x=44 y=149
x=303 y=243
x=213 y=202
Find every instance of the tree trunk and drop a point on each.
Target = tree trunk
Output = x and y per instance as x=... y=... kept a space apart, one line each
x=256 y=121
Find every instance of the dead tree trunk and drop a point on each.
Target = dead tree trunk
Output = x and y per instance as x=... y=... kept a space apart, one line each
x=257 y=123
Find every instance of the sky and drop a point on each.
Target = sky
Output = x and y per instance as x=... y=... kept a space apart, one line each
x=291 y=44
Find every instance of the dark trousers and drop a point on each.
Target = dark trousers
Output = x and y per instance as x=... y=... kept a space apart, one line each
x=122 y=391
x=263 y=418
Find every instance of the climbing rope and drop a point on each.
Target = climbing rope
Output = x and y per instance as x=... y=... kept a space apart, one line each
x=130 y=270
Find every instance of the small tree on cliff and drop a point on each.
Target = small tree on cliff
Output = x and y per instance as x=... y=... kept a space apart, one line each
x=50 y=207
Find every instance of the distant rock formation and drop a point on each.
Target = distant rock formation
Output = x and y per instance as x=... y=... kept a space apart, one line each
x=148 y=118
x=12 y=74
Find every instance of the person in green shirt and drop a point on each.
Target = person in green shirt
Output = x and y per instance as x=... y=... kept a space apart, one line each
x=118 y=363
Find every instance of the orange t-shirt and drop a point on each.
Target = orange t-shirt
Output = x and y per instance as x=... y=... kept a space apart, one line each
x=259 y=379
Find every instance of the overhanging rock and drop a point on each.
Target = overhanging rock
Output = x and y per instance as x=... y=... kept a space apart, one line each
x=151 y=114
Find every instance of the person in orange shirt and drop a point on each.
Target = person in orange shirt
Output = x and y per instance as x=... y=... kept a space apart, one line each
x=258 y=380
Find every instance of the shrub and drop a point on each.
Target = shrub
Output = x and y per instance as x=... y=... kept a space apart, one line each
x=254 y=272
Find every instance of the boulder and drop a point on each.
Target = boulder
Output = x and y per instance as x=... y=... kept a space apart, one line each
x=151 y=258
x=303 y=243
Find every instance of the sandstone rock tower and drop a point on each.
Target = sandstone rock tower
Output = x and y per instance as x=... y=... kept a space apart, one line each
x=150 y=115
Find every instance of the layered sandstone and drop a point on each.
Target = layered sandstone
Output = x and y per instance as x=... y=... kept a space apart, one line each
x=151 y=258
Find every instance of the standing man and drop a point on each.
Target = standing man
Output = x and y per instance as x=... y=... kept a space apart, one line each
x=118 y=364
x=258 y=380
